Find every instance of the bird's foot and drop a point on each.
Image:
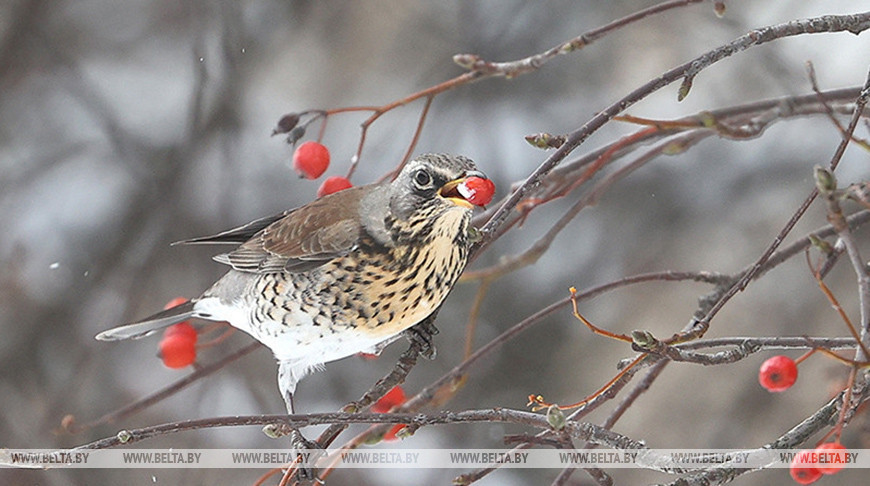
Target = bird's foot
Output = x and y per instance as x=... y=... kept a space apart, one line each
x=422 y=334
x=307 y=454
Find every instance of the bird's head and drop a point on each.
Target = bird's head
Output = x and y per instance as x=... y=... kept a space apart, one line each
x=428 y=185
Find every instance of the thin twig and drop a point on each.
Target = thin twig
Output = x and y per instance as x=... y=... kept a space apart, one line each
x=503 y=415
x=838 y=220
x=811 y=72
x=529 y=257
x=854 y=23
x=526 y=65
x=396 y=376
x=798 y=435
x=166 y=392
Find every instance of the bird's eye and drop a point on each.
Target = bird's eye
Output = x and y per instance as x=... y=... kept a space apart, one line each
x=422 y=178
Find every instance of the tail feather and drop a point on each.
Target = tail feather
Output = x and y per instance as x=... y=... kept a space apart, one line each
x=150 y=324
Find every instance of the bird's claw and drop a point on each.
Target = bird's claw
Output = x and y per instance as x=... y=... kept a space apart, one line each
x=422 y=334
x=307 y=454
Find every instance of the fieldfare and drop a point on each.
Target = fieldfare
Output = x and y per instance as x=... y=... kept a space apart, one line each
x=346 y=273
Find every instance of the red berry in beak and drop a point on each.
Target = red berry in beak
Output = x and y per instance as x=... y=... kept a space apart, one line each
x=477 y=190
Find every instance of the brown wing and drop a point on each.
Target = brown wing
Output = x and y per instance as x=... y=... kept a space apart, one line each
x=236 y=236
x=297 y=240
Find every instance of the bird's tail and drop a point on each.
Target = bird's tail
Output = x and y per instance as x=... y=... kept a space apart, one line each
x=150 y=324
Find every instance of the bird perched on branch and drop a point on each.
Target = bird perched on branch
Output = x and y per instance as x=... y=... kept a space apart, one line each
x=346 y=273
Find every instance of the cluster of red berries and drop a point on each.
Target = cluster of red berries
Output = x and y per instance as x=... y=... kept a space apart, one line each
x=778 y=374
x=809 y=465
x=310 y=160
x=178 y=346
x=393 y=398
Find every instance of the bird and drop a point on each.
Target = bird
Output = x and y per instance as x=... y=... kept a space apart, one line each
x=346 y=273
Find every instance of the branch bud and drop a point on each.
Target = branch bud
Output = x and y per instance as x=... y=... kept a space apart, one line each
x=556 y=418
x=295 y=135
x=286 y=123
x=825 y=180
x=466 y=60
x=820 y=244
x=545 y=140
x=124 y=436
x=643 y=340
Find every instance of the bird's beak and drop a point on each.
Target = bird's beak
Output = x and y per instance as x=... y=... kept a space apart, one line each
x=450 y=192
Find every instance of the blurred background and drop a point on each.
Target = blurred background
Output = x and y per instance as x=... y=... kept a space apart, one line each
x=127 y=125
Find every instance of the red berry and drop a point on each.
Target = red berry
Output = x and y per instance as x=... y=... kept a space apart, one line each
x=477 y=190
x=803 y=467
x=175 y=303
x=832 y=457
x=311 y=159
x=391 y=434
x=778 y=373
x=177 y=350
x=182 y=328
x=333 y=184
x=394 y=397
